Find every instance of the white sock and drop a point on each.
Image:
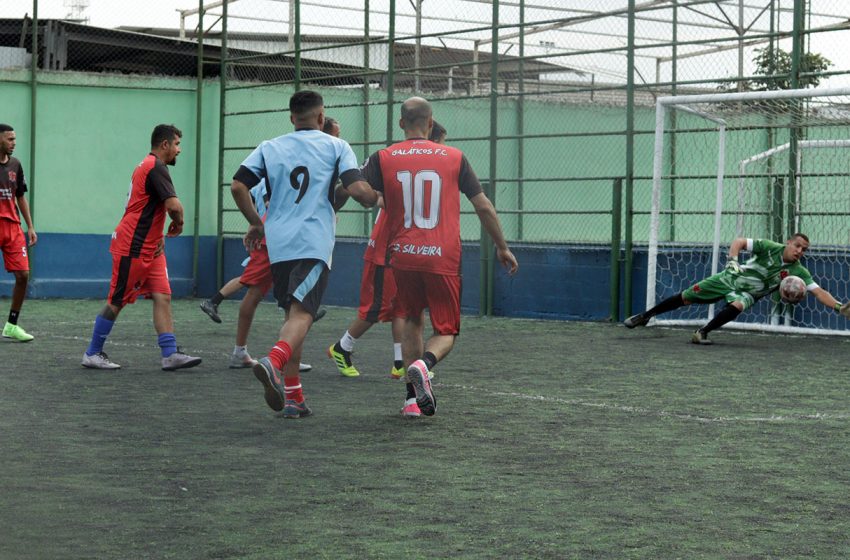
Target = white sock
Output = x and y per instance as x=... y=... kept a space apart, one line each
x=347 y=342
x=397 y=351
x=240 y=350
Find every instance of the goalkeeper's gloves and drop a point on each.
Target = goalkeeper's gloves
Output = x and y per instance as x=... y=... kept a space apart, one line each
x=733 y=266
x=845 y=310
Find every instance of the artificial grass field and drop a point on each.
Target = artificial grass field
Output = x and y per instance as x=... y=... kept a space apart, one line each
x=551 y=440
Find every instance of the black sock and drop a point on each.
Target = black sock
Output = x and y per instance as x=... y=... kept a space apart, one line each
x=411 y=392
x=429 y=359
x=13 y=316
x=669 y=304
x=398 y=364
x=217 y=298
x=727 y=314
x=338 y=348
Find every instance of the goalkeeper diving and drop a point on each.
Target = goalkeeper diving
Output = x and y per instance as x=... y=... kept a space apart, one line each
x=741 y=285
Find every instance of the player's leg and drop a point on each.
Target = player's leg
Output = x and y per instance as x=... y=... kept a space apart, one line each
x=371 y=297
x=397 y=327
x=669 y=304
x=158 y=288
x=411 y=302
x=127 y=272
x=247 y=308
x=210 y=306
x=298 y=287
x=739 y=302
x=442 y=295
x=94 y=356
x=15 y=258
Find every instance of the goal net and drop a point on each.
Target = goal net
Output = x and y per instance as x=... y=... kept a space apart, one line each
x=755 y=165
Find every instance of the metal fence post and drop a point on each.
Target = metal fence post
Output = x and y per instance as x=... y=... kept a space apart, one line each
x=199 y=97
x=222 y=99
x=616 y=231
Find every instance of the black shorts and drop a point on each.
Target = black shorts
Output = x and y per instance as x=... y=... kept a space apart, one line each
x=304 y=280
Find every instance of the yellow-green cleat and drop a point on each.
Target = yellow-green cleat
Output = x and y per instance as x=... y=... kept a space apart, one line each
x=15 y=332
x=342 y=359
x=397 y=373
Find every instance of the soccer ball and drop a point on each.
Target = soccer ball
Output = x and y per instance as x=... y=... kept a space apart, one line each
x=792 y=289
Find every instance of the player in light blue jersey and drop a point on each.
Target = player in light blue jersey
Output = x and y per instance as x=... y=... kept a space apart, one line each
x=301 y=169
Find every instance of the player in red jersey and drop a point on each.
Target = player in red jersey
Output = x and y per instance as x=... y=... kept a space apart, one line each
x=138 y=257
x=422 y=182
x=12 y=240
x=378 y=301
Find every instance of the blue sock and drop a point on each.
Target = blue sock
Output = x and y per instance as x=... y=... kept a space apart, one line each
x=102 y=328
x=167 y=343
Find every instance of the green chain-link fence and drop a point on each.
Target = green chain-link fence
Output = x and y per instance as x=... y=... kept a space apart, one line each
x=551 y=100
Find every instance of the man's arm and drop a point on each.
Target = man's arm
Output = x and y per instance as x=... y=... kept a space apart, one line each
x=242 y=196
x=24 y=207
x=826 y=298
x=363 y=193
x=490 y=220
x=738 y=245
x=340 y=197
x=175 y=212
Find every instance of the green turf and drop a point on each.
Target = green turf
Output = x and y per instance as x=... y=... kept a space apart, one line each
x=551 y=440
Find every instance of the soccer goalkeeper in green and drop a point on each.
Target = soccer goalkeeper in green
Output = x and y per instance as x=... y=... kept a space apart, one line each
x=741 y=285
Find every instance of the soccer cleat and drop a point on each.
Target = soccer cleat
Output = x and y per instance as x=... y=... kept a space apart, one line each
x=417 y=375
x=700 y=337
x=179 y=360
x=241 y=361
x=343 y=361
x=638 y=320
x=302 y=367
x=99 y=361
x=320 y=313
x=268 y=375
x=295 y=409
x=411 y=409
x=15 y=332
x=397 y=373
x=211 y=309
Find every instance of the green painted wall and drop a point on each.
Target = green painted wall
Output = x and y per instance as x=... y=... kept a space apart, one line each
x=91 y=134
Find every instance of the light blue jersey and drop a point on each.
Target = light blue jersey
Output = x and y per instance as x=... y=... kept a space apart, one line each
x=258 y=194
x=301 y=168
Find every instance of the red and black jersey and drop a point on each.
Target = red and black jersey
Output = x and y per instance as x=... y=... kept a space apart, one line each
x=376 y=250
x=12 y=185
x=140 y=230
x=422 y=181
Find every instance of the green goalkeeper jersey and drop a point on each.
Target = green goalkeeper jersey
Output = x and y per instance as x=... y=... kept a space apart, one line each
x=764 y=270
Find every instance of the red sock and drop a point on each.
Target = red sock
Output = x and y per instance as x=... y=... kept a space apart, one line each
x=280 y=354
x=292 y=388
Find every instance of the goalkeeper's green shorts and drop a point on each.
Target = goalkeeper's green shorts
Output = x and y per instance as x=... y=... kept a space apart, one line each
x=717 y=287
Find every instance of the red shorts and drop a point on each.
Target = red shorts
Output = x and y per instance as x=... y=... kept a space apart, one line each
x=14 y=246
x=438 y=292
x=137 y=276
x=378 y=302
x=258 y=271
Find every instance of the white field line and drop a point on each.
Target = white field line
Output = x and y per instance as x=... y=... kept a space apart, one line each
x=628 y=409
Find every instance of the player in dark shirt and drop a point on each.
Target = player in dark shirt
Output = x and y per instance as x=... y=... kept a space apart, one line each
x=12 y=241
x=138 y=258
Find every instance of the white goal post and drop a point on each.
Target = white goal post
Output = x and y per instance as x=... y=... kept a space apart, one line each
x=756 y=165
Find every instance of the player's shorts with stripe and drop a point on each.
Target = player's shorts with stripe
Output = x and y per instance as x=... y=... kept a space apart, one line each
x=137 y=276
x=304 y=280
x=14 y=246
x=258 y=271
x=723 y=285
x=440 y=293
x=378 y=301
